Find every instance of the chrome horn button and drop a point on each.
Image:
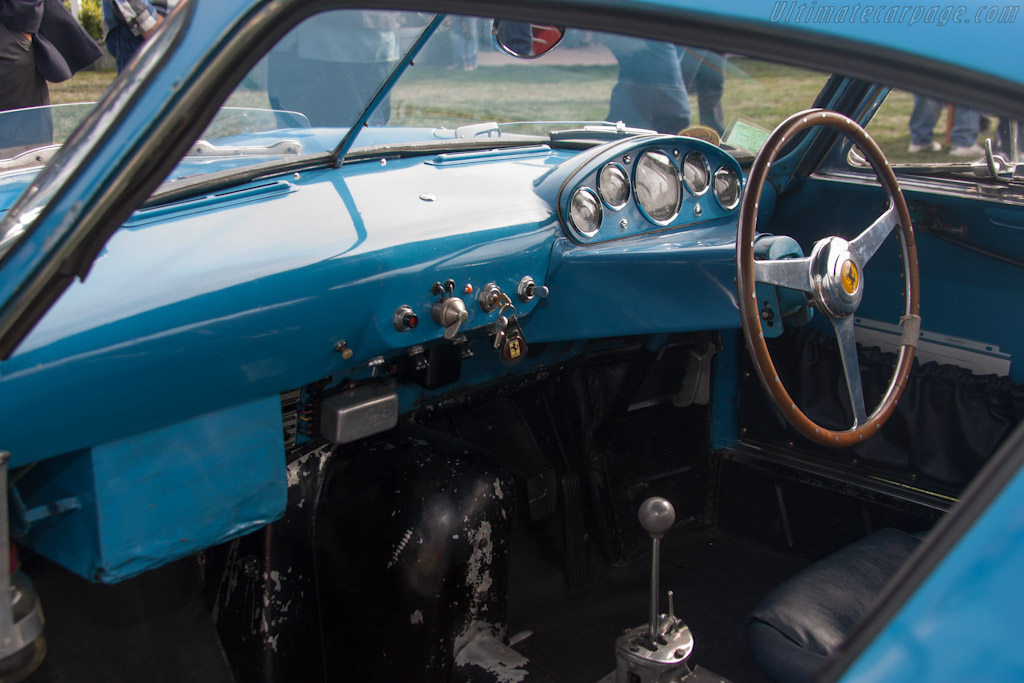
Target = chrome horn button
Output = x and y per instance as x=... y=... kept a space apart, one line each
x=838 y=277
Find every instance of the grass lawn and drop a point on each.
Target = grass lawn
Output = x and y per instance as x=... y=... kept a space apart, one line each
x=756 y=93
x=85 y=86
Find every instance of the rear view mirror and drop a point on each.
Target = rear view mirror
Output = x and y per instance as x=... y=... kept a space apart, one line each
x=525 y=40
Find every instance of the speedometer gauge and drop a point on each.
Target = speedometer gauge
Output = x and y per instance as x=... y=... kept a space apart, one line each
x=727 y=188
x=613 y=186
x=696 y=173
x=658 y=190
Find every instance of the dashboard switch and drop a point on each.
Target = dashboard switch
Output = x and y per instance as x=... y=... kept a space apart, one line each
x=450 y=313
x=528 y=289
x=489 y=297
x=405 y=319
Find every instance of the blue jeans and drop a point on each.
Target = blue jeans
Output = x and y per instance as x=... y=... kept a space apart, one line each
x=966 y=122
x=704 y=74
x=122 y=44
x=650 y=92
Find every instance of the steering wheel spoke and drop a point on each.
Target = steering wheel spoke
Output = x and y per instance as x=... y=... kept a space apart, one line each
x=851 y=367
x=867 y=243
x=792 y=273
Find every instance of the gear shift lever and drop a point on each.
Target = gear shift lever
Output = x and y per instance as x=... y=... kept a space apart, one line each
x=656 y=517
x=657 y=651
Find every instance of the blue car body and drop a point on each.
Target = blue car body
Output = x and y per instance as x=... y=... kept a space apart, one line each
x=157 y=311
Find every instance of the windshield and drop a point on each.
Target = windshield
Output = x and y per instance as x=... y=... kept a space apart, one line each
x=305 y=95
x=36 y=128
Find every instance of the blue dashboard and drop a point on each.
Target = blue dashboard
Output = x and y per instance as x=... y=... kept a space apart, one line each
x=236 y=295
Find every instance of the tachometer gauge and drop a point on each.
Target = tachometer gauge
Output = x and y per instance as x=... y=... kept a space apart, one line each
x=727 y=187
x=658 y=190
x=585 y=212
x=696 y=173
x=613 y=186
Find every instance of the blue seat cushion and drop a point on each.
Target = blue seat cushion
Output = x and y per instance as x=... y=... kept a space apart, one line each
x=794 y=629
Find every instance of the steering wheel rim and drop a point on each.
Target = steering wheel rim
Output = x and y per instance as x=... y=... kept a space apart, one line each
x=831 y=279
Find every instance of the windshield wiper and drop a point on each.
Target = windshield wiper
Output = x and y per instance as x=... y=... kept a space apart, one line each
x=203 y=148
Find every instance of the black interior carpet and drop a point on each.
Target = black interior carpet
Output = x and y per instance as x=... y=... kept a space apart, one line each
x=716 y=579
x=154 y=627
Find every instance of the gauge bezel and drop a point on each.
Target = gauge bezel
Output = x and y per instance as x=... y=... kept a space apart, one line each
x=707 y=173
x=600 y=210
x=679 y=183
x=739 y=187
x=625 y=178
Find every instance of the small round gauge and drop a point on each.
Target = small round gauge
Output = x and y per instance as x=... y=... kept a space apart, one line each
x=658 y=190
x=727 y=187
x=613 y=186
x=696 y=173
x=585 y=212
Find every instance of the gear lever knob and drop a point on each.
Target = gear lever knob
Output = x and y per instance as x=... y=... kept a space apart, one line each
x=656 y=516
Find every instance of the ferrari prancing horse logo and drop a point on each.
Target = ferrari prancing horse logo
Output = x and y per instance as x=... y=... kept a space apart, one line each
x=849 y=276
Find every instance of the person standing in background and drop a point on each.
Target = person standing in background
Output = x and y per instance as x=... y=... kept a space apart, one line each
x=329 y=68
x=127 y=24
x=40 y=41
x=650 y=92
x=704 y=74
x=465 y=37
x=963 y=136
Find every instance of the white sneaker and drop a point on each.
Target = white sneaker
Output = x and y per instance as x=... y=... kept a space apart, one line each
x=974 y=150
x=932 y=146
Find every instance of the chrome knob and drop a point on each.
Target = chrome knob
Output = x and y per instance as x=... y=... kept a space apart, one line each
x=657 y=516
x=450 y=314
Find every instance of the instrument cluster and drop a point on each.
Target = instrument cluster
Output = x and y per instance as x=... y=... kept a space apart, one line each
x=655 y=184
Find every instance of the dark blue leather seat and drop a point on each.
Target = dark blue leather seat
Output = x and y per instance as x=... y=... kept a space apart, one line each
x=794 y=629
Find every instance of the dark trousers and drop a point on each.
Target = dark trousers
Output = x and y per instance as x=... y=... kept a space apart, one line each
x=21 y=86
x=704 y=74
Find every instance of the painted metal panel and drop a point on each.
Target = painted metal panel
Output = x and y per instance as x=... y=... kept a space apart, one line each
x=158 y=496
x=964 y=622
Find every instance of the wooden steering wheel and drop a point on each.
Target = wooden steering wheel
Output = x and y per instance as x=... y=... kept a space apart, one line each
x=832 y=279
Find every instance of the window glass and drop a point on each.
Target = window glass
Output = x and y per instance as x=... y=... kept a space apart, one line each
x=462 y=79
x=916 y=130
x=311 y=88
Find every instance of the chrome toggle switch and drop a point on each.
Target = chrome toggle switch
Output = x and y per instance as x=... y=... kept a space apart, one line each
x=528 y=290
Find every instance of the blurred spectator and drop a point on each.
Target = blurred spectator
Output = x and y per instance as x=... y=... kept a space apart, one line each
x=465 y=36
x=963 y=136
x=704 y=74
x=40 y=41
x=650 y=92
x=127 y=23
x=329 y=67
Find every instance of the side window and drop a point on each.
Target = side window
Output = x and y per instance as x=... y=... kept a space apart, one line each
x=913 y=129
